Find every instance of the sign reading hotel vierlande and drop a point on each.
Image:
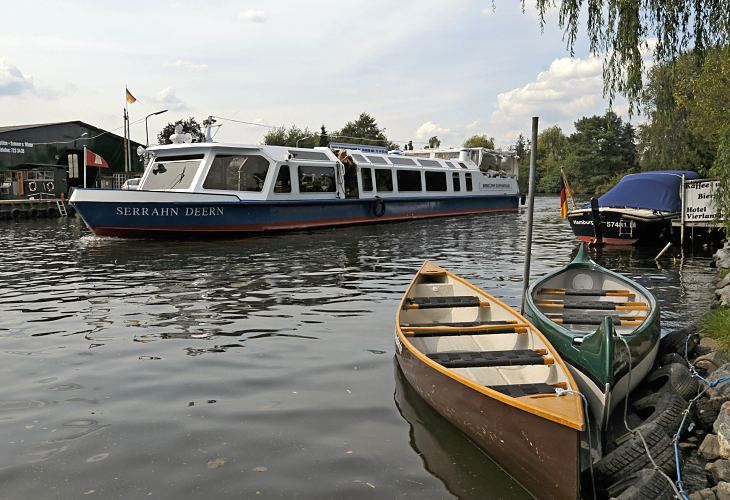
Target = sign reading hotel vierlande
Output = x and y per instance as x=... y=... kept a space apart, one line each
x=699 y=200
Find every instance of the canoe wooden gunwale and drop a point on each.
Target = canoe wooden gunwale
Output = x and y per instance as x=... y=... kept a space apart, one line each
x=514 y=402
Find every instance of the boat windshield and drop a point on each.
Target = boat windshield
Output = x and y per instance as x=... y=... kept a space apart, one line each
x=171 y=173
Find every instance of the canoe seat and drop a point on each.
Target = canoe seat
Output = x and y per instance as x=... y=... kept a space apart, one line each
x=458 y=324
x=470 y=359
x=520 y=390
x=454 y=332
x=595 y=319
x=444 y=302
x=594 y=304
x=585 y=292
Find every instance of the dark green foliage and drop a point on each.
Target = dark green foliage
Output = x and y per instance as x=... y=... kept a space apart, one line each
x=479 y=141
x=364 y=130
x=434 y=142
x=190 y=126
x=291 y=137
x=324 y=139
x=599 y=151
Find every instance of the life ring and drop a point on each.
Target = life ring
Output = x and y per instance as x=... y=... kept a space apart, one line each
x=379 y=207
x=32 y=186
x=49 y=187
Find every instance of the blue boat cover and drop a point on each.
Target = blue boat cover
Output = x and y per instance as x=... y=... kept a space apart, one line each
x=656 y=190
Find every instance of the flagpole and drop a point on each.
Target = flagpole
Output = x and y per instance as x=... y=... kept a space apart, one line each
x=125 y=136
x=84 y=167
x=129 y=137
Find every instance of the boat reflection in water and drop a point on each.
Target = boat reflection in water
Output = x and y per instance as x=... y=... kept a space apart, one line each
x=447 y=453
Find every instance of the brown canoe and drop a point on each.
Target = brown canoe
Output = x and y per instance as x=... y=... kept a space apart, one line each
x=494 y=376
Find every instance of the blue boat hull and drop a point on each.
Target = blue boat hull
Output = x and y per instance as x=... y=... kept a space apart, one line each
x=172 y=219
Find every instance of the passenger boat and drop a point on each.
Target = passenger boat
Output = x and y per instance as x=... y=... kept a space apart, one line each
x=221 y=189
x=493 y=375
x=585 y=311
x=636 y=211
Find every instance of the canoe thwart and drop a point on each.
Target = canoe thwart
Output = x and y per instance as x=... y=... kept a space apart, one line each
x=455 y=332
x=585 y=292
x=521 y=390
x=458 y=324
x=585 y=319
x=445 y=302
x=594 y=304
x=472 y=359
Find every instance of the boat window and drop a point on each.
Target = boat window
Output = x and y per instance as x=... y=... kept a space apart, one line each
x=283 y=180
x=171 y=174
x=383 y=180
x=429 y=163
x=436 y=181
x=409 y=180
x=451 y=165
x=457 y=181
x=468 y=183
x=378 y=160
x=316 y=179
x=395 y=160
x=367 y=179
x=359 y=158
x=237 y=173
x=308 y=155
x=463 y=165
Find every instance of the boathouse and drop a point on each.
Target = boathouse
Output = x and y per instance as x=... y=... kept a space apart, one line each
x=47 y=158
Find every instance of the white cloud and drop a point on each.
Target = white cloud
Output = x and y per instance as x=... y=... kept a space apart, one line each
x=12 y=80
x=569 y=89
x=185 y=65
x=429 y=129
x=473 y=125
x=168 y=98
x=252 y=16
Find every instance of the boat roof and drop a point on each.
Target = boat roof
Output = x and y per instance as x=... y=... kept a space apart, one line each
x=285 y=153
x=657 y=190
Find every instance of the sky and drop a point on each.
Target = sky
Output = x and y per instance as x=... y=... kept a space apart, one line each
x=421 y=68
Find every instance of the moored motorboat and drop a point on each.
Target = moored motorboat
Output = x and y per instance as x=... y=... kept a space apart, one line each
x=587 y=312
x=494 y=376
x=227 y=189
x=636 y=211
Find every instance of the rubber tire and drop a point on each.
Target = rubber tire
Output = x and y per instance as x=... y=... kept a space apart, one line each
x=674 y=341
x=631 y=456
x=669 y=358
x=646 y=484
x=706 y=412
x=674 y=377
x=379 y=207
x=667 y=410
x=694 y=475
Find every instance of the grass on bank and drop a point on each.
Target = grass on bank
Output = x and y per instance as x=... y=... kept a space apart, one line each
x=716 y=325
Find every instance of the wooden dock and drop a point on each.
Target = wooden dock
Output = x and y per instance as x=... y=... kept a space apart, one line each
x=32 y=208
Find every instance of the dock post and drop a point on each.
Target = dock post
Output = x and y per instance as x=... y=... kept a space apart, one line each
x=682 y=220
x=530 y=212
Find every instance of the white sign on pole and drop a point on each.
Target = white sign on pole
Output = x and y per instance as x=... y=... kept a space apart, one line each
x=699 y=200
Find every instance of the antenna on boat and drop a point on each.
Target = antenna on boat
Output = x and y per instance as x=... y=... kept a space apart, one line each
x=530 y=212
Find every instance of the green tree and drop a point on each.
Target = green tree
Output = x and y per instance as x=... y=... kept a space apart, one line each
x=365 y=131
x=189 y=126
x=600 y=149
x=434 y=142
x=620 y=29
x=324 y=139
x=551 y=145
x=291 y=137
x=479 y=141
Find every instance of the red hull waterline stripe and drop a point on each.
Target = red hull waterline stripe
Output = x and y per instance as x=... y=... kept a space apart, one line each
x=609 y=241
x=258 y=228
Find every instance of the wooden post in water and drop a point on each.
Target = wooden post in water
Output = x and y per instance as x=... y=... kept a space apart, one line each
x=530 y=212
x=682 y=219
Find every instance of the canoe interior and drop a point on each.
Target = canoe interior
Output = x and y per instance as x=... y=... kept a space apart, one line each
x=570 y=299
x=441 y=284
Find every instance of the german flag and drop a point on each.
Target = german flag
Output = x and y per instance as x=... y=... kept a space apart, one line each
x=130 y=98
x=563 y=199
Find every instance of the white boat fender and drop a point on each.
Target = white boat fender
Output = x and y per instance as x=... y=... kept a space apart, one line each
x=32 y=186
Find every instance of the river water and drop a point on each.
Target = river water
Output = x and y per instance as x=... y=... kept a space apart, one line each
x=260 y=367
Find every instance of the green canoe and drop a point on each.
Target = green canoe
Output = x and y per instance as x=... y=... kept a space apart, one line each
x=585 y=311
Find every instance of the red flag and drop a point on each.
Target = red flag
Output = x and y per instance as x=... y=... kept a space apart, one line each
x=94 y=160
x=563 y=199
